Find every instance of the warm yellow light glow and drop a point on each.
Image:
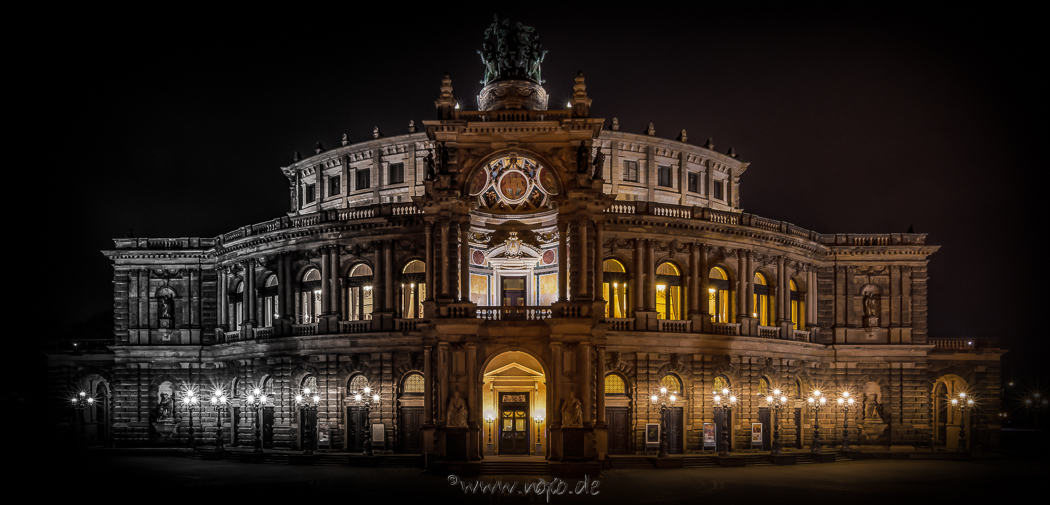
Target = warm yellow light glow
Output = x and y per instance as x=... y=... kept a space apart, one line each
x=845 y=394
x=711 y=290
x=725 y=392
x=375 y=398
x=810 y=399
x=732 y=399
x=673 y=398
x=783 y=399
x=568 y=105
x=816 y=393
x=457 y=105
x=823 y=400
x=776 y=392
x=368 y=390
x=663 y=391
x=841 y=401
x=769 y=399
x=357 y=397
x=654 y=398
x=718 y=398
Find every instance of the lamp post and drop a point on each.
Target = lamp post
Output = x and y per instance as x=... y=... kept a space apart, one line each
x=539 y=417
x=1034 y=403
x=255 y=401
x=80 y=402
x=490 y=418
x=816 y=402
x=190 y=400
x=845 y=402
x=664 y=399
x=776 y=401
x=307 y=401
x=219 y=401
x=962 y=404
x=727 y=407
x=366 y=399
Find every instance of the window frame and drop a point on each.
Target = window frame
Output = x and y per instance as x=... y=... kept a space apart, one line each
x=362 y=175
x=309 y=193
x=390 y=171
x=664 y=177
x=693 y=182
x=335 y=185
x=628 y=170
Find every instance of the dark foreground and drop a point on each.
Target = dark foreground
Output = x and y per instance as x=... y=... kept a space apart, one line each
x=151 y=480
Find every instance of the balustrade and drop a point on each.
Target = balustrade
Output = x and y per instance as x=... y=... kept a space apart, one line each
x=725 y=328
x=496 y=313
x=304 y=329
x=263 y=332
x=769 y=331
x=801 y=336
x=620 y=324
x=672 y=326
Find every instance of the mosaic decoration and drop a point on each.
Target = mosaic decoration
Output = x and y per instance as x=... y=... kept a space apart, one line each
x=513 y=185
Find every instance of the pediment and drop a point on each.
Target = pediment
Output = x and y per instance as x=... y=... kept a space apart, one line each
x=514 y=370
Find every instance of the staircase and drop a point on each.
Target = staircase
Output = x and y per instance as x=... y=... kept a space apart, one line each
x=514 y=468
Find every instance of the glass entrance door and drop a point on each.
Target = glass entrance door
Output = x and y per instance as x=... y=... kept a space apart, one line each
x=514 y=423
x=513 y=292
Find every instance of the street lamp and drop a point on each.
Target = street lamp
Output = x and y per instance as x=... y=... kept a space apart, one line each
x=962 y=404
x=845 y=402
x=219 y=402
x=776 y=401
x=190 y=400
x=727 y=407
x=539 y=417
x=816 y=402
x=81 y=402
x=664 y=399
x=308 y=401
x=489 y=419
x=366 y=399
x=255 y=401
x=1036 y=403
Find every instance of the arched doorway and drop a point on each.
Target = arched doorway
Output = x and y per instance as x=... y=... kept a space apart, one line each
x=514 y=393
x=945 y=418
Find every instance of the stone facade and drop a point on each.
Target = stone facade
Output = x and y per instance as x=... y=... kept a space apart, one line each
x=400 y=257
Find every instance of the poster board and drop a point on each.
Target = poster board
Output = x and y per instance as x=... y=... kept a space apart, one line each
x=324 y=438
x=756 y=434
x=652 y=435
x=709 y=435
x=378 y=433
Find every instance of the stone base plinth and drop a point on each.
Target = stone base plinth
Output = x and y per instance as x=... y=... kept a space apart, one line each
x=783 y=459
x=666 y=462
x=731 y=461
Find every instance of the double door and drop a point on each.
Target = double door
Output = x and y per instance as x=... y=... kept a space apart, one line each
x=356 y=424
x=513 y=428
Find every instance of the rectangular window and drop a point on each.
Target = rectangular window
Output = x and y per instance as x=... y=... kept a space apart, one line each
x=663 y=176
x=716 y=190
x=630 y=171
x=309 y=193
x=364 y=179
x=694 y=183
x=334 y=185
x=396 y=173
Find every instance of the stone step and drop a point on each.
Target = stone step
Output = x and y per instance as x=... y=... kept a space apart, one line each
x=515 y=468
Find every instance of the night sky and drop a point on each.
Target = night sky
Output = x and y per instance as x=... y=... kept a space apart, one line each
x=858 y=122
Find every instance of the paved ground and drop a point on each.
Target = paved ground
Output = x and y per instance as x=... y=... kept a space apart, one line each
x=180 y=480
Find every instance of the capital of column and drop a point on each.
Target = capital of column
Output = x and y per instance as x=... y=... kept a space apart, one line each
x=428 y=227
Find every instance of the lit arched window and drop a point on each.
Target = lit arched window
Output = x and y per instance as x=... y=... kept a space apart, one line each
x=669 y=292
x=798 y=318
x=798 y=388
x=720 y=301
x=357 y=384
x=359 y=293
x=237 y=306
x=614 y=284
x=761 y=300
x=413 y=384
x=269 y=296
x=413 y=289
x=614 y=385
x=310 y=297
x=763 y=386
x=721 y=382
x=672 y=384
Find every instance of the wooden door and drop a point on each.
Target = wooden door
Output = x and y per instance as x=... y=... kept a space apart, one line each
x=308 y=429
x=267 y=427
x=619 y=430
x=235 y=426
x=798 y=428
x=764 y=418
x=721 y=422
x=674 y=426
x=356 y=424
x=411 y=430
x=514 y=426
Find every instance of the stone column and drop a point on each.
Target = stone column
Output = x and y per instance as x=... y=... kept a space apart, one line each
x=705 y=281
x=694 y=280
x=587 y=379
x=443 y=386
x=741 y=286
x=581 y=247
x=388 y=277
x=334 y=293
x=464 y=262
x=378 y=285
x=650 y=278
x=326 y=285
x=428 y=387
x=599 y=271
x=782 y=293
x=288 y=286
x=639 y=276
x=599 y=392
x=472 y=385
x=446 y=292
x=224 y=289
x=563 y=262
x=750 y=284
x=811 y=296
x=554 y=408
x=429 y=230
x=248 y=299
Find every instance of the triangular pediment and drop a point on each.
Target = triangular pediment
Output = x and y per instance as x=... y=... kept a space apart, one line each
x=514 y=370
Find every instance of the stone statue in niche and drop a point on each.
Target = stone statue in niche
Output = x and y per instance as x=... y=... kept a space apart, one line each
x=457 y=411
x=165 y=407
x=428 y=162
x=871 y=304
x=572 y=412
x=167 y=307
x=599 y=165
x=871 y=406
x=582 y=159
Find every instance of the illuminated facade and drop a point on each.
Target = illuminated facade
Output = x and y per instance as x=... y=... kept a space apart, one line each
x=520 y=280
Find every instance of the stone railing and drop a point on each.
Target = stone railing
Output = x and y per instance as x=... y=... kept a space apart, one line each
x=405 y=209
x=801 y=335
x=233 y=336
x=408 y=324
x=78 y=346
x=673 y=326
x=496 y=313
x=676 y=211
x=515 y=115
x=622 y=208
x=620 y=324
x=355 y=326
x=725 y=328
x=164 y=243
x=304 y=329
x=769 y=331
x=266 y=332
x=956 y=344
x=357 y=213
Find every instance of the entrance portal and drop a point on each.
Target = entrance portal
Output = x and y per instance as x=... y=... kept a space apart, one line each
x=513 y=423
x=515 y=400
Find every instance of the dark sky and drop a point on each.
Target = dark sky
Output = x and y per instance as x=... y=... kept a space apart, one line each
x=853 y=121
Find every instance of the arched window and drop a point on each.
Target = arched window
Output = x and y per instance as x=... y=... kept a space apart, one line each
x=267 y=386
x=413 y=289
x=763 y=386
x=720 y=302
x=798 y=318
x=672 y=384
x=269 y=305
x=357 y=384
x=761 y=301
x=614 y=285
x=669 y=292
x=237 y=307
x=309 y=385
x=614 y=385
x=798 y=388
x=310 y=297
x=359 y=293
x=721 y=382
x=413 y=384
